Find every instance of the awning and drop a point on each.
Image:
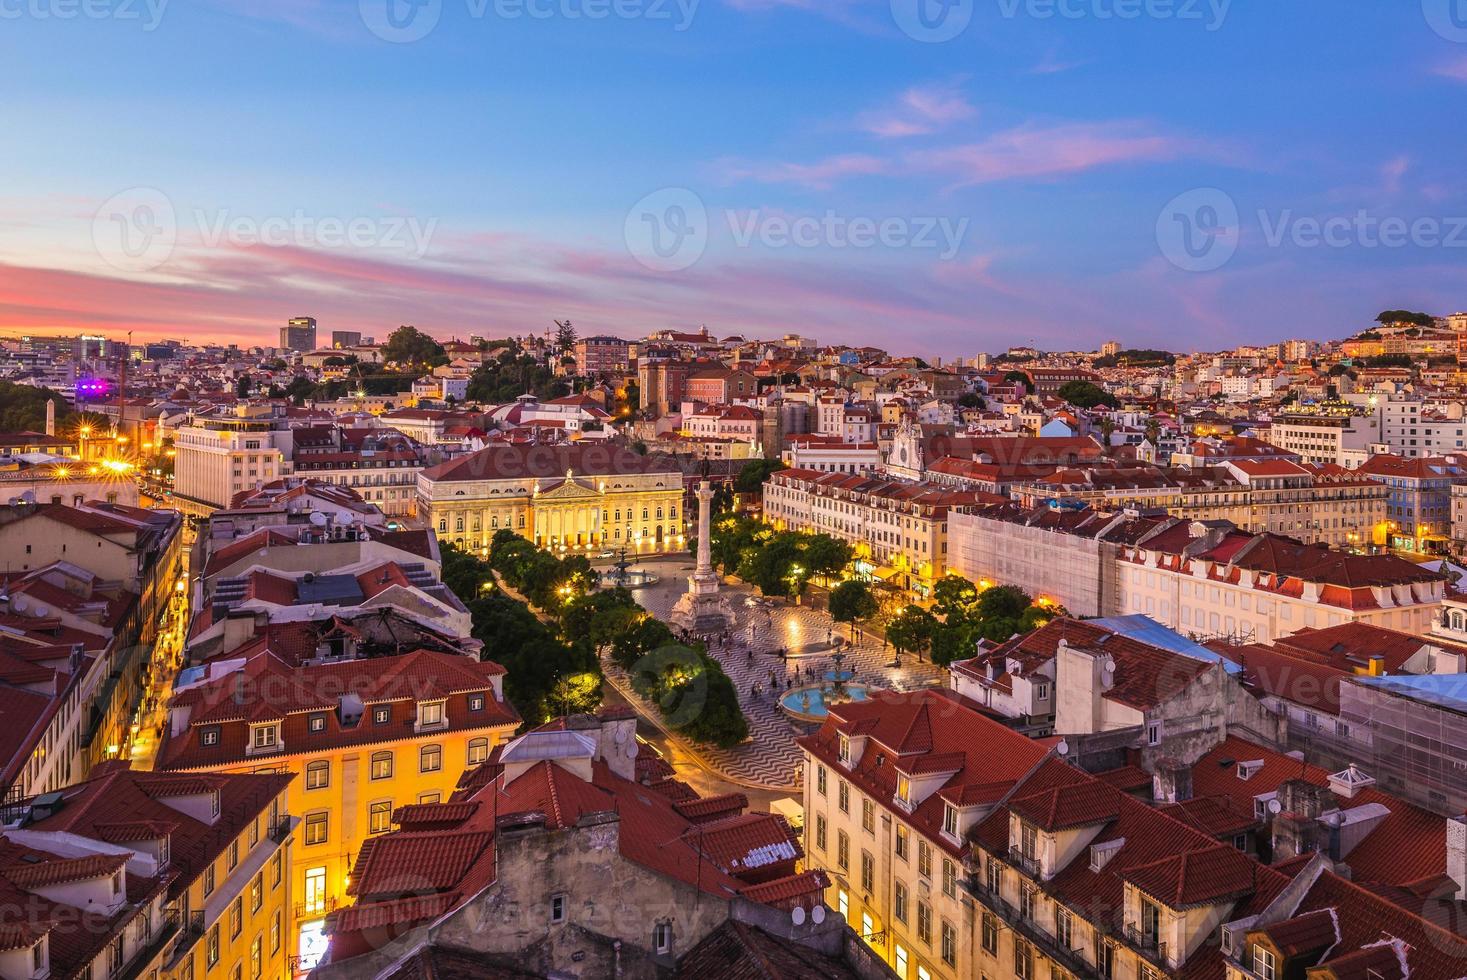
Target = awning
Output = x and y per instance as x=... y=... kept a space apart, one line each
x=885 y=572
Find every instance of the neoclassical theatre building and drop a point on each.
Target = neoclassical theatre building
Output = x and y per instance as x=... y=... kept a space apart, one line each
x=567 y=498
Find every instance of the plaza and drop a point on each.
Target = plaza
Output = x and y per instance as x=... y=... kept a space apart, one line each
x=769 y=758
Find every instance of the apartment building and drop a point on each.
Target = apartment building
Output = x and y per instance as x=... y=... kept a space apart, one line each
x=831 y=454
x=363 y=734
x=382 y=465
x=1210 y=579
x=1337 y=437
x=958 y=848
x=720 y=385
x=560 y=818
x=898 y=530
x=220 y=456
x=566 y=497
x=1419 y=503
x=603 y=357
x=144 y=874
x=81 y=607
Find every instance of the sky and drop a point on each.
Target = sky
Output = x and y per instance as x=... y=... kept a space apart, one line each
x=938 y=177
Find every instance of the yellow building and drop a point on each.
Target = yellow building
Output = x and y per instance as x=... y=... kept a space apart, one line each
x=363 y=736
x=570 y=497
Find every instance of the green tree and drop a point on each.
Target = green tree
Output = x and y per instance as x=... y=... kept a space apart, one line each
x=409 y=346
x=954 y=596
x=1086 y=394
x=911 y=630
x=852 y=601
x=825 y=555
x=753 y=474
x=565 y=336
x=1002 y=602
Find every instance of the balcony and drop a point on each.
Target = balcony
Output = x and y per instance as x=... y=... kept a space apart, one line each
x=282 y=830
x=190 y=931
x=1073 y=960
x=1147 y=944
x=1027 y=863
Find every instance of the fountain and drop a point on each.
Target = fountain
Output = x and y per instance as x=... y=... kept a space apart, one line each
x=619 y=576
x=811 y=703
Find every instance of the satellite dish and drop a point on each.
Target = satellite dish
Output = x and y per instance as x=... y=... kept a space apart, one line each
x=1274 y=806
x=817 y=914
x=1063 y=748
x=318 y=518
x=797 y=915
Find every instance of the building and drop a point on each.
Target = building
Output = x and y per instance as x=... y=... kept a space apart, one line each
x=1110 y=348
x=662 y=382
x=566 y=497
x=1419 y=505
x=342 y=339
x=221 y=456
x=82 y=605
x=831 y=454
x=363 y=734
x=146 y=874
x=299 y=334
x=898 y=530
x=382 y=465
x=1326 y=437
x=720 y=385
x=603 y=357
x=554 y=822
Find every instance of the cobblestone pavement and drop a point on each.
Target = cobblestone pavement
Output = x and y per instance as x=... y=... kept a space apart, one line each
x=770 y=759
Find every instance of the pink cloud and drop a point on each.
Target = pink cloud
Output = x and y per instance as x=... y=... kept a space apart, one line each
x=1032 y=151
x=1455 y=70
x=819 y=175
x=919 y=111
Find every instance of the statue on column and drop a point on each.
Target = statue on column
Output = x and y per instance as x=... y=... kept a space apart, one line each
x=702 y=609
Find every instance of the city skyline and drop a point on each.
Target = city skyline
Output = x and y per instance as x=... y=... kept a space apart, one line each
x=1041 y=177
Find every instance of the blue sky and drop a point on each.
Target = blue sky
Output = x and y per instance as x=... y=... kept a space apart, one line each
x=1193 y=176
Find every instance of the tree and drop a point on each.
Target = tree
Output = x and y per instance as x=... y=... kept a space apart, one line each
x=852 y=601
x=407 y=345
x=954 y=596
x=1019 y=378
x=911 y=630
x=1002 y=602
x=565 y=336
x=753 y=474
x=825 y=555
x=971 y=400
x=23 y=409
x=1393 y=317
x=1087 y=394
x=243 y=385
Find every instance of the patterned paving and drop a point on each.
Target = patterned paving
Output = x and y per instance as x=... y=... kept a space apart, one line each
x=770 y=759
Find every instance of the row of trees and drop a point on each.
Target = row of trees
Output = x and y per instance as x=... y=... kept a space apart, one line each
x=777 y=563
x=511 y=375
x=961 y=615
x=561 y=666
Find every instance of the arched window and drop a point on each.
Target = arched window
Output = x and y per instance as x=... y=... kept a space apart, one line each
x=318 y=774
x=381 y=765
x=478 y=750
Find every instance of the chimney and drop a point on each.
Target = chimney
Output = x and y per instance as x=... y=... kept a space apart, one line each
x=1457 y=854
x=1172 y=784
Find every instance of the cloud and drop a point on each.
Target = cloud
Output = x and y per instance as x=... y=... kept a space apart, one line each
x=819 y=175
x=1455 y=70
x=920 y=111
x=1047 y=151
x=1392 y=173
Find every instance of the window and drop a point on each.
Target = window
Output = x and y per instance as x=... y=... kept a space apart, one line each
x=990 y=934
x=211 y=951
x=381 y=716
x=257 y=892
x=899 y=902
x=318 y=774
x=950 y=821
x=264 y=736
x=209 y=881
x=424 y=798
x=257 y=959
x=901 y=842
x=1064 y=928
x=276 y=864
x=315 y=900
x=924 y=859
x=430 y=713
x=843 y=799
x=868 y=816
x=901 y=962
x=476 y=702
x=430 y=758
x=924 y=923
x=662 y=937
x=379 y=817
x=820 y=831
x=1264 y=963
x=233 y=854
x=1023 y=960
x=820 y=780
x=949 y=943
x=993 y=876
x=842 y=850
x=275 y=933
x=949 y=878
x=381 y=765
x=316 y=827
x=557 y=908
x=868 y=872
x=317 y=723
x=1026 y=900
x=209 y=736
x=478 y=750
x=236 y=917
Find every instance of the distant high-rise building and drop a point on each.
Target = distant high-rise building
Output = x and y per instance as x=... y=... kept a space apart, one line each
x=1110 y=348
x=299 y=334
x=346 y=338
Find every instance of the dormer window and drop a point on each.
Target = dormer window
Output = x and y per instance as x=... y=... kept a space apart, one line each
x=950 y=821
x=476 y=702
x=430 y=714
x=265 y=736
x=117 y=883
x=209 y=736
x=1264 y=963
x=317 y=723
x=845 y=751
x=904 y=789
x=381 y=716
x=163 y=856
